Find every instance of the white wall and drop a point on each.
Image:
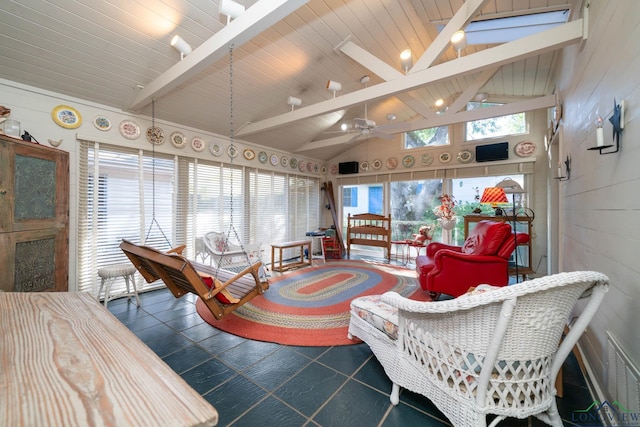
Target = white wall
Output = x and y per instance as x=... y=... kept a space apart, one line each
x=599 y=205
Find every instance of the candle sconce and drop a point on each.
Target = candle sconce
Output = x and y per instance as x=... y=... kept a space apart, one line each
x=567 y=175
x=617 y=120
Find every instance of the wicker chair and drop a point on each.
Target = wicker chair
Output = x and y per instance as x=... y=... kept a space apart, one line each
x=495 y=352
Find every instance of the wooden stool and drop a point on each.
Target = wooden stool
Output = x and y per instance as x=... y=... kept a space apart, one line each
x=109 y=274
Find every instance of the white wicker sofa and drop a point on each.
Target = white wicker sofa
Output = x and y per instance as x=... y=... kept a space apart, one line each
x=496 y=352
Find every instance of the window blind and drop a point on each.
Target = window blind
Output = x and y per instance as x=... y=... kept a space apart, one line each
x=165 y=201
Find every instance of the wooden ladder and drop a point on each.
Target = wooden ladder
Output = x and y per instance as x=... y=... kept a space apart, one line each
x=328 y=190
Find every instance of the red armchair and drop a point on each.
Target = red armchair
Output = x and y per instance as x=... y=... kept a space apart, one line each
x=483 y=258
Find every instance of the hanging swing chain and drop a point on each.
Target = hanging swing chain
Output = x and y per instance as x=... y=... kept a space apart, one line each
x=153 y=178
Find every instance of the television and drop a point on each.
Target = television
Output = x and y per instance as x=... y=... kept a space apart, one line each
x=492 y=152
x=347 y=168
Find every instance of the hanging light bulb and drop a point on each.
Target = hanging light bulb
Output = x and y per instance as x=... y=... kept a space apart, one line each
x=406 y=59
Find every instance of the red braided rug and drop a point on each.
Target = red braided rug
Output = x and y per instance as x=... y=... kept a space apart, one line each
x=310 y=306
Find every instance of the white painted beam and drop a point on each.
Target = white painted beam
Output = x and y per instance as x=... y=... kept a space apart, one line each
x=383 y=70
x=479 y=114
x=252 y=22
x=460 y=20
x=535 y=44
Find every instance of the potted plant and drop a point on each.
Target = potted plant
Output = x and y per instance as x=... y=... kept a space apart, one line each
x=445 y=212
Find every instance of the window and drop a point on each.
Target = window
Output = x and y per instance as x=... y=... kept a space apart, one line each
x=412 y=204
x=513 y=124
x=192 y=197
x=375 y=200
x=350 y=197
x=430 y=137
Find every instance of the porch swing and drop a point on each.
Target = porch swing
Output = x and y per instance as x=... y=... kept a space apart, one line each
x=221 y=288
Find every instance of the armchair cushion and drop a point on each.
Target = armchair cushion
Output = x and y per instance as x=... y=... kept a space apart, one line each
x=486 y=238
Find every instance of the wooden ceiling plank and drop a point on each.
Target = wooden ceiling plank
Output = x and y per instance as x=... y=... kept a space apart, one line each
x=554 y=38
x=253 y=21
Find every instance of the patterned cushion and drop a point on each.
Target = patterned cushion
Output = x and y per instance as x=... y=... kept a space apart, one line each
x=378 y=314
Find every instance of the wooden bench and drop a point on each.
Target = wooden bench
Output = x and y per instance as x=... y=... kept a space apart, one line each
x=67 y=361
x=287 y=245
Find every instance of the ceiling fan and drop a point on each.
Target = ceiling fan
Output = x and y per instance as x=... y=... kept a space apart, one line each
x=364 y=127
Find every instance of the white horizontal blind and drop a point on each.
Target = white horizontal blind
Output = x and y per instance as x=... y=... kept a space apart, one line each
x=171 y=200
x=113 y=205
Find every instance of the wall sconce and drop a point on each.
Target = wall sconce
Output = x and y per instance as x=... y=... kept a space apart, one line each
x=181 y=46
x=334 y=87
x=567 y=175
x=459 y=41
x=294 y=102
x=617 y=120
x=406 y=60
x=231 y=9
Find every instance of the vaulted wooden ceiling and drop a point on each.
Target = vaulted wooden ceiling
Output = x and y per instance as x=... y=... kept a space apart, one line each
x=117 y=53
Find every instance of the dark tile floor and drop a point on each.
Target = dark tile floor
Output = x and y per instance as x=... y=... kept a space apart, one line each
x=254 y=383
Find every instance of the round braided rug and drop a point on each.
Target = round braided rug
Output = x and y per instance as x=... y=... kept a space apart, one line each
x=310 y=306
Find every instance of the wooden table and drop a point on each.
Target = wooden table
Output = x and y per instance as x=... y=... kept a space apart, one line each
x=67 y=361
x=287 y=245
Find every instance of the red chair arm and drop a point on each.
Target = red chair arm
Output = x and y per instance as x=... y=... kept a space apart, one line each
x=434 y=247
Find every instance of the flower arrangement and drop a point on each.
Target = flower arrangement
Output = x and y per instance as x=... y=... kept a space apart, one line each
x=445 y=210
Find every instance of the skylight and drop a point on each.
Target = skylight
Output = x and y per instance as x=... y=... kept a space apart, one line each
x=503 y=30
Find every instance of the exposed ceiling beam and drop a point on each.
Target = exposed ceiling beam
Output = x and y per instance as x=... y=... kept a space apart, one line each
x=446 y=119
x=471 y=90
x=328 y=142
x=384 y=71
x=535 y=44
x=435 y=50
x=252 y=22
x=479 y=114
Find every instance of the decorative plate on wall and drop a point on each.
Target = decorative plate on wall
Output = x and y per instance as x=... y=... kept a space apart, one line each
x=426 y=159
x=178 y=139
x=408 y=161
x=249 y=154
x=66 y=117
x=364 y=166
x=129 y=129
x=215 y=149
x=309 y=167
x=445 y=157
x=376 y=164
x=232 y=151
x=293 y=163
x=102 y=123
x=316 y=167
x=334 y=169
x=392 y=163
x=155 y=135
x=284 y=161
x=465 y=156
x=525 y=148
x=301 y=166
x=323 y=170
x=197 y=144
x=274 y=160
x=262 y=157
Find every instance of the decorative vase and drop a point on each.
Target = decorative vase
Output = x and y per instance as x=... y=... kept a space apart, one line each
x=447 y=224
